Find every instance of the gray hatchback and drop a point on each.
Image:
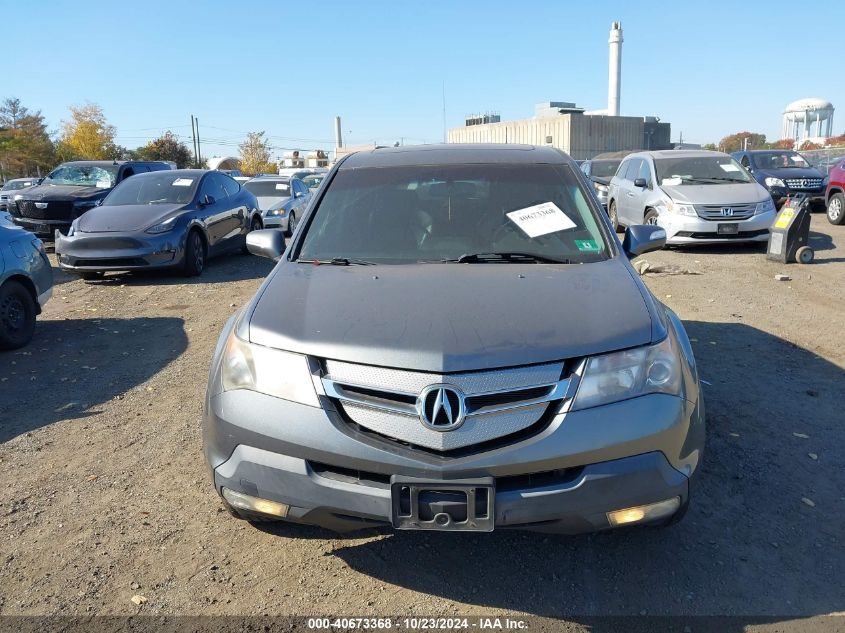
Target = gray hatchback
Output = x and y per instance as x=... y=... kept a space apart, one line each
x=455 y=340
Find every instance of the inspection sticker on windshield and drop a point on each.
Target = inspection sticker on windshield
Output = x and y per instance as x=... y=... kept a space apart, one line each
x=589 y=246
x=728 y=167
x=183 y=182
x=103 y=184
x=282 y=187
x=541 y=219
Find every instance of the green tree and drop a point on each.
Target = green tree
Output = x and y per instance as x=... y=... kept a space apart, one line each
x=87 y=135
x=167 y=147
x=255 y=155
x=25 y=145
x=736 y=142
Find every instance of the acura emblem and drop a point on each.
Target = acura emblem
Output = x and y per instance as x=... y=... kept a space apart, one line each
x=727 y=211
x=40 y=205
x=441 y=407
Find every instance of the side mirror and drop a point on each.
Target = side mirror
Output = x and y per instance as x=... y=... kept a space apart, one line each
x=643 y=238
x=269 y=243
x=207 y=200
x=641 y=183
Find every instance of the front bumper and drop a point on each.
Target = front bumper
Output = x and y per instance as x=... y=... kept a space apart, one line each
x=103 y=252
x=563 y=479
x=780 y=194
x=682 y=229
x=45 y=229
x=275 y=221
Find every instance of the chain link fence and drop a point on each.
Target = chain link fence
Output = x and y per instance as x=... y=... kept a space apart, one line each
x=824 y=159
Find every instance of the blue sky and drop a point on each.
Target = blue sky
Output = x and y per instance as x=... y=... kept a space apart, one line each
x=289 y=67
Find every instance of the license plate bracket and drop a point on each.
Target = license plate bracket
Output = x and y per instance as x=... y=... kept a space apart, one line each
x=727 y=228
x=451 y=505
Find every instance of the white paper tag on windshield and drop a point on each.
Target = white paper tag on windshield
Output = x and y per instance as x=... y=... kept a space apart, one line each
x=671 y=182
x=729 y=167
x=282 y=187
x=183 y=182
x=103 y=184
x=541 y=219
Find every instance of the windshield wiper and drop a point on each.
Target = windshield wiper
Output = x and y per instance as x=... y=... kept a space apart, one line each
x=510 y=257
x=335 y=261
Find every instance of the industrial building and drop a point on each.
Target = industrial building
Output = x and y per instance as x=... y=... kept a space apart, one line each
x=563 y=125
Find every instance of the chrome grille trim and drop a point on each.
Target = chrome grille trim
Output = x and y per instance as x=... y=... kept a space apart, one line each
x=714 y=211
x=799 y=183
x=388 y=401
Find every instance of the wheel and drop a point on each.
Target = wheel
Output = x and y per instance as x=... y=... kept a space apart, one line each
x=91 y=276
x=650 y=217
x=836 y=209
x=17 y=315
x=613 y=215
x=805 y=255
x=194 y=254
x=291 y=223
x=254 y=225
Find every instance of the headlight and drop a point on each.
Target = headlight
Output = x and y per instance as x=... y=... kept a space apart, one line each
x=774 y=182
x=825 y=180
x=600 y=187
x=280 y=211
x=73 y=228
x=84 y=205
x=683 y=209
x=765 y=206
x=267 y=370
x=630 y=373
x=163 y=227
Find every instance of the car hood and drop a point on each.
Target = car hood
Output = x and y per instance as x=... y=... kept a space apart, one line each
x=62 y=192
x=793 y=172
x=271 y=202
x=451 y=317
x=125 y=218
x=602 y=180
x=740 y=193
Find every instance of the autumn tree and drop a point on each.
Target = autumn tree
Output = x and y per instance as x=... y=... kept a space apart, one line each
x=808 y=145
x=167 y=147
x=87 y=135
x=255 y=155
x=736 y=142
x=836 y=141
x=784 y=143
x=25 y=145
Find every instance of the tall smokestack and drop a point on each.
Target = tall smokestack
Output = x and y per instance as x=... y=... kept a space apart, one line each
x=338 y=137
x=614 y=71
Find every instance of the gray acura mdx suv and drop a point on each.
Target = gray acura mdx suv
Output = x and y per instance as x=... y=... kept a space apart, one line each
x=454 y=339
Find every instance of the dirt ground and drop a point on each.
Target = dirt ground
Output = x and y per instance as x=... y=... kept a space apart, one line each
x=104 y=494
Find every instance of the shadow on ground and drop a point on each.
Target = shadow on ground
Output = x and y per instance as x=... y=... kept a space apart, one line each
x=751 y=544
x=73 y=365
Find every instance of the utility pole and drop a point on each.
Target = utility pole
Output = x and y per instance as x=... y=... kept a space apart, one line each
x=199 y=146
x=194 y=136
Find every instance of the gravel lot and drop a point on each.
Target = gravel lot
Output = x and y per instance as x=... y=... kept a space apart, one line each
x=104 y=494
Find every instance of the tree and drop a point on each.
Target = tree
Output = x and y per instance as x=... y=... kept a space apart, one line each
x=807 y=145
x=255 y=155
x=87 y=135
x=736 y=142
x=25 y=145
x=836 y=141
x=167 y=147
x=784 y=143
x=711 y=146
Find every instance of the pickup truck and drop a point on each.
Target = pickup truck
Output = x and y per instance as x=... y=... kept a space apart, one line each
x=70 y=190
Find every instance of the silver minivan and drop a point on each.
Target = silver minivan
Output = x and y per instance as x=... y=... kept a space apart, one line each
x=698 y=196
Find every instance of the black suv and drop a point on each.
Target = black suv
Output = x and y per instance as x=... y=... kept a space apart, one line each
x=70 y=190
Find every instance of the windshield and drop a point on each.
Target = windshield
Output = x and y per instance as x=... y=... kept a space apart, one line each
x=699 y=170
x=403 y=215
x=268 y=188
x=161 y=187
x=17 y=184
x=780 y=160
x=100 y=176
x=604 y=168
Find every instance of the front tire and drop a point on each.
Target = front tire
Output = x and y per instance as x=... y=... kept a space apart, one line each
x=613 y=214
x=194 y=254
x=836 y=209
x=650 y=217
x=291 y=224
x=17 y=315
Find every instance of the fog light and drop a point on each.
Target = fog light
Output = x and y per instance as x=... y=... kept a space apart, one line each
x=648 y=512
x=254 y=504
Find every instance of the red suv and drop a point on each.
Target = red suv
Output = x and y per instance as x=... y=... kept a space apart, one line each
x=835 y=194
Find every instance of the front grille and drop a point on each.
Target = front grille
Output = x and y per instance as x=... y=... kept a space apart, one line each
x=110 y=263
x=55 y=210
x=803 y=183
x=497 y=404
x=722 y=212
x=742 y=235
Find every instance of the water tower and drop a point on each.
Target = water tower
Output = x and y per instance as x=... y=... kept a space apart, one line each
x=804 y=117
